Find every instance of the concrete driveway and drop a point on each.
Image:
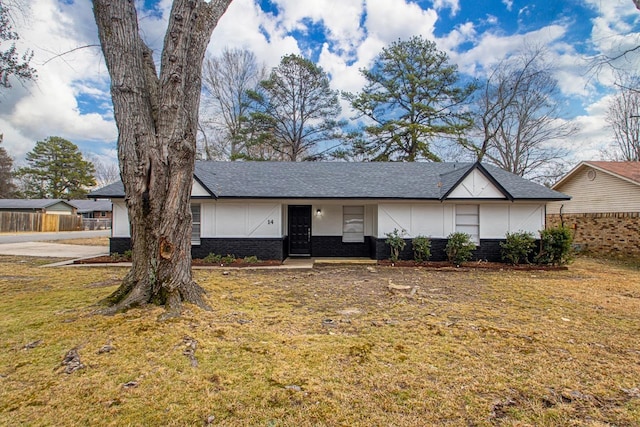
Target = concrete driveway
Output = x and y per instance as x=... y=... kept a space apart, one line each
x=29 y=244
x=52 y=250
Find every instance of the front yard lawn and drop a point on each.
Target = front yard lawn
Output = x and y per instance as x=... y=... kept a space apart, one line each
x=337 y=345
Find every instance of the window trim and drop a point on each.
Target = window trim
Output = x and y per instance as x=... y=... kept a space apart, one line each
x=353 y=213
x=461 y=226
x=196 y=224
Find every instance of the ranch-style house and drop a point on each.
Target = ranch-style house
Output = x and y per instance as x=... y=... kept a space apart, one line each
x=275 y=210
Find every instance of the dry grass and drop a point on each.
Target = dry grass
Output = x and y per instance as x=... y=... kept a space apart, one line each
x=89 y=241
x=467 y=348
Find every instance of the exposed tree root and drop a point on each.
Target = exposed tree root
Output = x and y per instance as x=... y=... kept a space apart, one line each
x=132 y=294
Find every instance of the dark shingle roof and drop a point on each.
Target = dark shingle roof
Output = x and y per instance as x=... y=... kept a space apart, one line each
x=343 y=180
x=91 y=205
x=29 y=203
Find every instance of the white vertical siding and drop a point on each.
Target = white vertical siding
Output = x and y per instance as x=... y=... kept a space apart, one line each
x=221 y=219
x=526 y=217
x=426 y=219
x=244 y=219
x=603 y=193
x=120 y=221
x=438 y=220
x=329 y=223
x=493 y=220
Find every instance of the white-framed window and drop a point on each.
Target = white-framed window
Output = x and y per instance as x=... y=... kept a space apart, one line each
x=468 y=221
x=195 y=226
x=353 y=224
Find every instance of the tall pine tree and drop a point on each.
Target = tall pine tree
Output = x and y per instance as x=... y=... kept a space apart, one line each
x=7 y=187
x=412 y=97
x=56 y=170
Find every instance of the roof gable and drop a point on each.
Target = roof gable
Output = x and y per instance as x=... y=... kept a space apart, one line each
x=476 y=184
x=627 y=171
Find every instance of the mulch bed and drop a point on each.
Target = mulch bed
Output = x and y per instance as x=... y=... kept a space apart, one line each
x=471 y=265
x=107 y=259
x=237 y=263
x=436 y=265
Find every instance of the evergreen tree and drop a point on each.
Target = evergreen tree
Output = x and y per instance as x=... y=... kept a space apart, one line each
x=412 y=97
x=56 y=170
x=7 y=187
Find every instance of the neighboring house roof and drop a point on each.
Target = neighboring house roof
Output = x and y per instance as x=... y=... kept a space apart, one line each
x=348 y=180
x=628 y=171
x=85 y=206
x=7 y=204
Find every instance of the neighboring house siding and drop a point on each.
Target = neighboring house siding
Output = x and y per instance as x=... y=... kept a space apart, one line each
x=604 y=212
x=59 y=209
x=604 y=194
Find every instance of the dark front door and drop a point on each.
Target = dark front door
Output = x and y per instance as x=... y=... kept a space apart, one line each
x=300 y=230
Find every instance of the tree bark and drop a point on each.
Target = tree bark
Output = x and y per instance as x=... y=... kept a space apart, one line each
x=157 y=119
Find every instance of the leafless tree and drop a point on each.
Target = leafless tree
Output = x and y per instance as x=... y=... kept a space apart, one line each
x=623 y=115
x=105 y=172
x=295 y=110
x=13 y=64
x=226 y=80
x=157 y=118
x=518 y=125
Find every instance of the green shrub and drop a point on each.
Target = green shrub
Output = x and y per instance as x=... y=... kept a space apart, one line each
x=212 y=258
x=517 y=247
x=555 y=246
x=251 y=259
x=396 y=242
x=229 y=259
x=459 y=248
x=421 y=248
x=125 y=256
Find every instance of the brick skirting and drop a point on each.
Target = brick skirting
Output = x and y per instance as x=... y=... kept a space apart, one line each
x=612 y=233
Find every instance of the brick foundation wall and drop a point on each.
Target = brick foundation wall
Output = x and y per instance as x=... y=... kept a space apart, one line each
x=333 y=246
x=615 y=233
x=266 y=249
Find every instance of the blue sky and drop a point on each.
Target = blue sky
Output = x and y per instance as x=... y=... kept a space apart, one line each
x=71 y=97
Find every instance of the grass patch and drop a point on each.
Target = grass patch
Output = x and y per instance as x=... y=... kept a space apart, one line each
x=331 y=346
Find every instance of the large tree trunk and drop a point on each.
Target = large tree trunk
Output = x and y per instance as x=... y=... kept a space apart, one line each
x=157 y=119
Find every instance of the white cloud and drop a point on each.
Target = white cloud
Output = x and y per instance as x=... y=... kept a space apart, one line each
x=452 y=5
x=355 y=32
x=391 y=20
x=508 y=4
x=50 y=107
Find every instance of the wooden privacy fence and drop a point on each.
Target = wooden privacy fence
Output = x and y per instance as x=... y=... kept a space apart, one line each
x=12 y=222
